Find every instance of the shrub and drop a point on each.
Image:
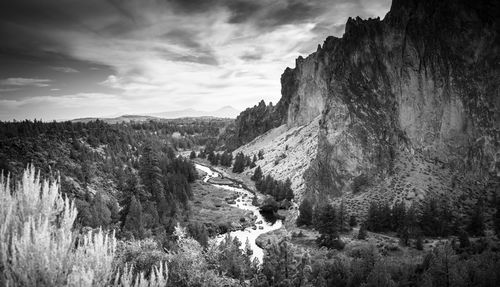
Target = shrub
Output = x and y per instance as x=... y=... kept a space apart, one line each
x=362 y=232
x=37 y=245
x=39 y=248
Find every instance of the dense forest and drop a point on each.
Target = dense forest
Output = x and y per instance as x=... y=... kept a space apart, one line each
x=122 y=176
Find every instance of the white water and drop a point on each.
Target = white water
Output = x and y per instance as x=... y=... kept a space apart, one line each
x=244 y=201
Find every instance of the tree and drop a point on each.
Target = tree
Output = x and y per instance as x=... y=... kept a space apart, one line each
x=463 y=239
x=327 y=226
x=342 y=218
x=476 y=223
x=362 y=232
x=419 y=244
x=150 y=172
x=305 y=213
x=133 y=221
x=239 y=163
x=192 y=155
x=261 y=154
x=352 y=221
x=100 y=212
x=496 y=220
x=287 y=189
x=257 y=175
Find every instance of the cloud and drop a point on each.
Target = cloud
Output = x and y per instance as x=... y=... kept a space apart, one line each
x=25 y=82
x=156 y=55
x=65 y=69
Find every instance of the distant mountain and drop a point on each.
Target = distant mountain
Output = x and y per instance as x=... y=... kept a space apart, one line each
x=120 y=119
x=224 y=112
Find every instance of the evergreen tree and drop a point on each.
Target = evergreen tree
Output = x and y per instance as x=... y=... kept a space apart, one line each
x=342 y=218
x=430 y=219
x=305 y=213
x=287 y=189
x=150 y=173
x=239 y=163
x=463 y=238
x=261 y=154
x=352 y=221
x=362 y=232
x=419 y=244
x=398 y=216
x=257 y=175
x=100 y=212
x=496 y=220
x=476 y=223
x=192 y=155
x=327 y=226
x=133 y=221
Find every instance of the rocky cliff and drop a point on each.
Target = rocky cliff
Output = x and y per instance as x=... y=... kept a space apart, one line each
x=409 y=105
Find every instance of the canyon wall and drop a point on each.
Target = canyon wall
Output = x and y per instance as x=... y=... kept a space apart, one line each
x=419 y=88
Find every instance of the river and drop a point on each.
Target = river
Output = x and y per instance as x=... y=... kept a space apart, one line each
x=244 y=201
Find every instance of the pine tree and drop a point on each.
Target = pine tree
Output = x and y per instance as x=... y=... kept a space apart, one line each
x=328 y=228
x=430 y=219
x=352 y=221
x=305 y=213
x=476 y=223
x=150 y=173
x=261 y=154
x=239 y=163
x=288 y=192
x=192 y=155
x=133 y=221
x=496 y=220
x=342 y=215
x=100 y=212
x=419 y=244
x=362 y=232
x=463 y=238
x=257 y=175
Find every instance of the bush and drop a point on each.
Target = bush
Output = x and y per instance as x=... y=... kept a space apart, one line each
x=362 y=232
x=36 y=238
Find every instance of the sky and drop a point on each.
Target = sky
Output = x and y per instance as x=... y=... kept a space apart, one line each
x=66 y=59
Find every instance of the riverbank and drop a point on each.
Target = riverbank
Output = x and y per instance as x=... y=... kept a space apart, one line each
x=210 y=207
x=244 y=201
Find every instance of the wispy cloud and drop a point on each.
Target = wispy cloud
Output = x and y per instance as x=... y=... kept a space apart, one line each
x=64 y=69
x=149 y=56
x=25 y=82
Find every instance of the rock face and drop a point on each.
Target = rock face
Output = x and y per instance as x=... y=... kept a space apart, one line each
x=409 y=103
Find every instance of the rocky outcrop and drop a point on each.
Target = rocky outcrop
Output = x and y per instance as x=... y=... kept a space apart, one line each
x=420 y=88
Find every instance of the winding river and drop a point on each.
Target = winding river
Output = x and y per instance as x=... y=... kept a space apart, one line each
x=244 y=201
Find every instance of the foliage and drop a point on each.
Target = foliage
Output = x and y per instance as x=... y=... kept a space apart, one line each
x=37 y=245
x=476 y=224
x=496 y=219
x=239 y=163
x=327 y=225
x=257 y=175
x=305 y=213
x=278 y=189
x=362 y=233
x=251 y=123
